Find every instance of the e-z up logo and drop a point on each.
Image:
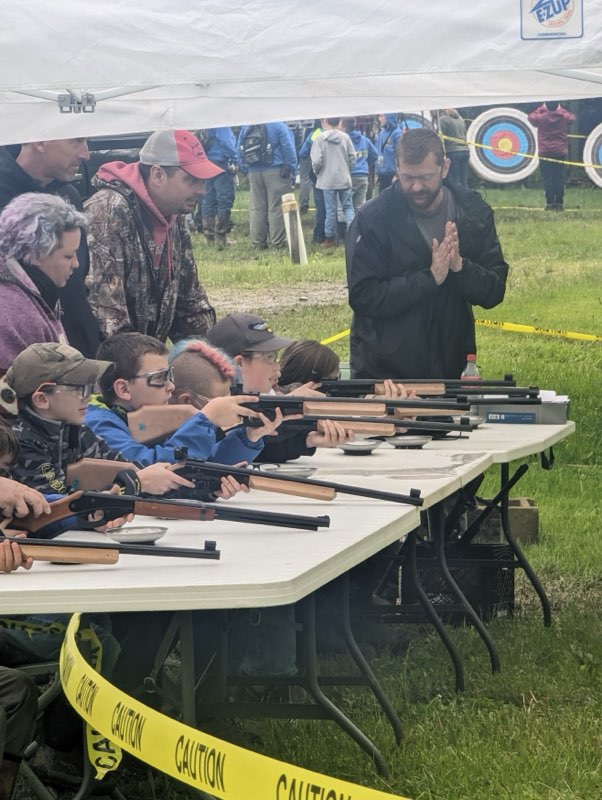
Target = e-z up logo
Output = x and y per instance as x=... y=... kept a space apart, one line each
x=552 y=13
x=551 y=19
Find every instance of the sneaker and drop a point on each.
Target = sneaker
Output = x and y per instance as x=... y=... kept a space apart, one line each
x=327 y=244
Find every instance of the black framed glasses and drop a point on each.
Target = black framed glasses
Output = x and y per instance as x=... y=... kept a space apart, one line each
x=158 y=378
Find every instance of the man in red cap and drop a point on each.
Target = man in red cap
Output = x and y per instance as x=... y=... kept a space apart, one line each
x=142 y=275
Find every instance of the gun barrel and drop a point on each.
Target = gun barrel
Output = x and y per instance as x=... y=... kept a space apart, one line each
x=300 y=521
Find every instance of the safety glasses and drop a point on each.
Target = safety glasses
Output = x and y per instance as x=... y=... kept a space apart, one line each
x=158 y=378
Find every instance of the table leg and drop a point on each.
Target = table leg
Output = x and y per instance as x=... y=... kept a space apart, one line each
x=184 y=621
x=437 y=529
x=361 y=662
x=520 y=556
x=313 y=686
x=431 y=613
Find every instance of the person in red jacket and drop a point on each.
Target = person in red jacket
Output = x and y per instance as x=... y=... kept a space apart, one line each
x=552 y=123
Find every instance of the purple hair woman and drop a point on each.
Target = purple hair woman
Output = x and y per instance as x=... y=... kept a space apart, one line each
x=39 y=237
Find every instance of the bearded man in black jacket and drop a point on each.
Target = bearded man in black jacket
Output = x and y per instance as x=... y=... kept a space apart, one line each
x=419 y=257
x=50 y=167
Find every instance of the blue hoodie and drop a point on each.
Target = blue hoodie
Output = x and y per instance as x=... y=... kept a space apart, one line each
x=197 y=435
x=282 y=140
x=365 y=151
x=222 y=147
x=386 y=145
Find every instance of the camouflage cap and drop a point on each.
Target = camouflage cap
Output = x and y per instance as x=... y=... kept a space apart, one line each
x=50 y=362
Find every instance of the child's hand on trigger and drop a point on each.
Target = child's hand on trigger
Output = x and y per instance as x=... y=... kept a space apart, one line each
x=329 y=433
x=227 y=411
x=160 y=478
x=269 y=427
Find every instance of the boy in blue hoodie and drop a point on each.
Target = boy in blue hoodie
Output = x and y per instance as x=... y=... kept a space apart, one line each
x=142 y=377
x=386 y=147
x=367 y=157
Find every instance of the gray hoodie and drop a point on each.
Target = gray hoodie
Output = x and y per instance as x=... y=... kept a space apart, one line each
x=332 y=158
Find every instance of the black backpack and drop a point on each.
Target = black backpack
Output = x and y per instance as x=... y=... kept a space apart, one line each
x=255 y=147
x=206 y=138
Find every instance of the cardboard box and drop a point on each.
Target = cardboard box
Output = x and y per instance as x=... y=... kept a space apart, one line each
x=524 y=523
x=544 y=414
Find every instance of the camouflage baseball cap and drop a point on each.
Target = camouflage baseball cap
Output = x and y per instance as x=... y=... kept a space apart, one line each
x=50 y=362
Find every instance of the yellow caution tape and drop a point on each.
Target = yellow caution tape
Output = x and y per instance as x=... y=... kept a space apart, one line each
x=503 y=326
x=513 y=326
x=510 y=152
x=186 y=754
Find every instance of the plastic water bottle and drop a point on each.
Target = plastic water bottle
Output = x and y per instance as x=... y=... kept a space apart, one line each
x=471 y=371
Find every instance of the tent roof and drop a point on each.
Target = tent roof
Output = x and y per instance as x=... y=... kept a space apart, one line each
x=151 y=64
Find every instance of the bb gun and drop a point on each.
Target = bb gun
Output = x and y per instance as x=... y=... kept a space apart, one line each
x=355 y=407
x=111 y=506
x=92 y=553
x=360 y=424
x=206 y=475
x=463 y=390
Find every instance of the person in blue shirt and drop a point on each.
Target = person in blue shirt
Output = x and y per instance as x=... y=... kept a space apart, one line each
x=386 y=146
x=270 y=171
x=318 y=232
x=220 y=191
x=367 y=157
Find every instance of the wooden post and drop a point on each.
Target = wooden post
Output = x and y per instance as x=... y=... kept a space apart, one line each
x=294 y=232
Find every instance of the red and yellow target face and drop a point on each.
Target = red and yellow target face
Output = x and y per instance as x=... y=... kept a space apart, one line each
x=503 y=145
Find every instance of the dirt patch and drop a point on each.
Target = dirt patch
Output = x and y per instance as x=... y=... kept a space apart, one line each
x=227 y=300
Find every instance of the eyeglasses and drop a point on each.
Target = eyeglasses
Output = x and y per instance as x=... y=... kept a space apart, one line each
x=158 y=379
x=269 y=358
x=85 y=390
x=408 y=180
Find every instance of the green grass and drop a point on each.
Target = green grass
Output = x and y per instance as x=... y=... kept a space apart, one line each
x=533 y=731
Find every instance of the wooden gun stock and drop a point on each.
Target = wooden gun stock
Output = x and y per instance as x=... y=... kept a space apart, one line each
x=153 y=423
x=264 y=484
x=69 y=555
x=94 y=473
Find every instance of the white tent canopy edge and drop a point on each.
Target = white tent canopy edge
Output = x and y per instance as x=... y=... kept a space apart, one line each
x=152 y=64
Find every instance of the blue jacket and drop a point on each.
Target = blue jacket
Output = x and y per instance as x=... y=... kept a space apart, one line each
x=305 y=149
x=197 y=434
x=365 y=151
x=222 y=147
x=282 y=140
x=386 y=145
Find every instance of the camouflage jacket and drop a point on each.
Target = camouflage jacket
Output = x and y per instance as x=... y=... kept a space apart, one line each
x=48 y=446
x=126 y=292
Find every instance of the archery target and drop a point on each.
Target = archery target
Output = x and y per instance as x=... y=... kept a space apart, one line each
x=592 y=154
x=509 y=145
x=415 y=119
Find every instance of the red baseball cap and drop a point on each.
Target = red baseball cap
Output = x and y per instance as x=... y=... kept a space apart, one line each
x=178 y=149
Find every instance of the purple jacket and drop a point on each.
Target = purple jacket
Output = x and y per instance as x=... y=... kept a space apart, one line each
x=552 y=128
x=26 y=318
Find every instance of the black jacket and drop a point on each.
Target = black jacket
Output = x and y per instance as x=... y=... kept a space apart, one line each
x=47 y=446
x=404 y=325
x=78 y=321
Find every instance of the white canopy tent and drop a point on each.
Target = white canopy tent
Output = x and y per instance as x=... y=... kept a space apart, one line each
x=82 y=68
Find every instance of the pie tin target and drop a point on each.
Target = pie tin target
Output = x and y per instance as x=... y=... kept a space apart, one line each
x=512 y=140
x=592 y=154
